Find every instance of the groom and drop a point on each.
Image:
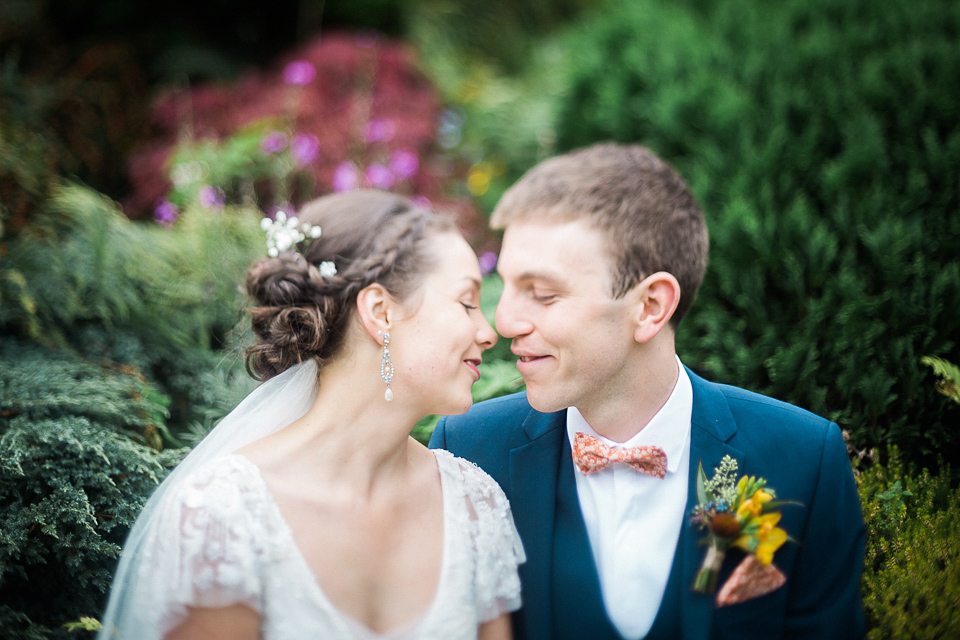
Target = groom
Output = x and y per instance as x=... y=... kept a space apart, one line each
x=603 y=252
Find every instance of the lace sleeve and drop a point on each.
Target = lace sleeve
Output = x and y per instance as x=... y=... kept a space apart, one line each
x=208 y=544
x=498 y=546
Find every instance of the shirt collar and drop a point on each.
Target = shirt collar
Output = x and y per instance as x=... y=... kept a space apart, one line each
x=669 y=429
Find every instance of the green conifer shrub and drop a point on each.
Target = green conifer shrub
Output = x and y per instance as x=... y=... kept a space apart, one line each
x=820 y=137
x=76 y=466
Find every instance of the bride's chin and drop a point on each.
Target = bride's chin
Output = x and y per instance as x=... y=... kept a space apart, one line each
x=456 y=408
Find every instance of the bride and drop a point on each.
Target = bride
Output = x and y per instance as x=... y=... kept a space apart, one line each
x=309 y=511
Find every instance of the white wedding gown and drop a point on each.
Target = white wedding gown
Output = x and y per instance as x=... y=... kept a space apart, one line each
x=220 y=539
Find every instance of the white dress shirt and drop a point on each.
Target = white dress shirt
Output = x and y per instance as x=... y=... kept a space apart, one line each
x=633 y=520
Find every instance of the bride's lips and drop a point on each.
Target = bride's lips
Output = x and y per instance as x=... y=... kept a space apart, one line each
x=474 y=364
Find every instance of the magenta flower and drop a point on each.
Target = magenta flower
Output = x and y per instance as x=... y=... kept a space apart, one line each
x=380 y=130
x=165 y=213
x=211 y=197
x=488 y=262
x=404 y=164
x=304 y=148
x=273 y=142
x=380 y=176
x=299 y=73
x=345 y=176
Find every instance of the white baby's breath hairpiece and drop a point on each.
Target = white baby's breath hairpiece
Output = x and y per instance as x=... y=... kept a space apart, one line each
x=283 y=233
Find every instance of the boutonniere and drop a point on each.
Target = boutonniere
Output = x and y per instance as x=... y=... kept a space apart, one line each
x=738 y=513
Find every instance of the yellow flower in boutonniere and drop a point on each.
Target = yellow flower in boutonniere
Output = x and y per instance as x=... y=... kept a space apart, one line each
x=738 y=513
x=754 y=504
x=762 y=538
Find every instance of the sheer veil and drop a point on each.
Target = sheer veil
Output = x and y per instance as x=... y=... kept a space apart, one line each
x=270 y=407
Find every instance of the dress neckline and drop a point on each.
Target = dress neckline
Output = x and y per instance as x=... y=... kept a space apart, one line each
x=345 y=620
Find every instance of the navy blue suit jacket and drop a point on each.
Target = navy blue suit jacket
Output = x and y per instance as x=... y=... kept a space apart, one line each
x=801 y=455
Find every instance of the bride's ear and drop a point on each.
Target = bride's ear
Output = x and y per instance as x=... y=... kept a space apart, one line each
x=375 y=309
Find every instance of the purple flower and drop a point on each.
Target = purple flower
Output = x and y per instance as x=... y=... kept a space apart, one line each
x=488 y=262
x=345 y=176
x=210 y=197
x=380 y=130
x=421 y=201
x=273 y=142
x=380 y=176
x=304 y=148
x=299 y=73
x=165 y=213
x=404 y=164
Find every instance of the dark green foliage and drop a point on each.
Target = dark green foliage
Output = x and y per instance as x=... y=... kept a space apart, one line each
x=65 y=109
x=820 y=137
x=85 y=278
x=74 y=473
x=39 y=383
x=498 y=32
x=911 y=581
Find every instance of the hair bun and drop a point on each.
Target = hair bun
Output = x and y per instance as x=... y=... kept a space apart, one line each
x=293 y=315
x=286 y=280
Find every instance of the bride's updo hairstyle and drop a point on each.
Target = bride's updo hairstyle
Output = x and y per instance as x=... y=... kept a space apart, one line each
x=371 y=237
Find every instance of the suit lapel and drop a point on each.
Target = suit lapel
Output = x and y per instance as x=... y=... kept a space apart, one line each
x=712 y=427
x=534 y=471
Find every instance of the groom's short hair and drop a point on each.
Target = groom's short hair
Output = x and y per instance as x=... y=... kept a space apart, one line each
x=647 y=213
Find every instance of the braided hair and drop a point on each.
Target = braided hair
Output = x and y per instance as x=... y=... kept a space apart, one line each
x=371 y=237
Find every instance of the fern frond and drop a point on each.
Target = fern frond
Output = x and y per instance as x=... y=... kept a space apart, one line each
x=949 y=385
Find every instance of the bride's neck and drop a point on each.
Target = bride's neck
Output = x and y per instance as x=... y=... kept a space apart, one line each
x=351 y=436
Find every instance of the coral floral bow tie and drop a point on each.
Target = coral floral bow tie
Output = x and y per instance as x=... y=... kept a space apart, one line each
x=591 y=455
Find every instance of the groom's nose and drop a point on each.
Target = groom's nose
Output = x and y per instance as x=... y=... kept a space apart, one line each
x=509 y=316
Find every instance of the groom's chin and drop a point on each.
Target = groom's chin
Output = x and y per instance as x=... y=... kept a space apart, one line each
x=543 y=402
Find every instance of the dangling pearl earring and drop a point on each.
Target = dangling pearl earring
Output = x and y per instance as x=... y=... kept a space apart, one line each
x=386 y=365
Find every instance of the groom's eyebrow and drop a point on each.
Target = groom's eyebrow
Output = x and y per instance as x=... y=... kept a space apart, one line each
x=547 y=278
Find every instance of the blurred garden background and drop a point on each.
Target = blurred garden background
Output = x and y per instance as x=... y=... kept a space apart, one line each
x=141 y=143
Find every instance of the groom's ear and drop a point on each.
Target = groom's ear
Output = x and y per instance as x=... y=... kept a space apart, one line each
x=375 y=308
x=655 y=300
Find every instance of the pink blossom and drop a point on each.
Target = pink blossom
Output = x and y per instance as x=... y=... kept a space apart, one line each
x=421 y=201
x=404 y=164
x=299 y=73
x=380 y=176
x=304 y=148
x=488 y=262
x=345 y=176
x=165 y=213
x=380 y=130
x=210 y=197
x=273 y=142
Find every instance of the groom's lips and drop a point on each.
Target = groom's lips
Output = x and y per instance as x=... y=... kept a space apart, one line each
x=528 y=362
